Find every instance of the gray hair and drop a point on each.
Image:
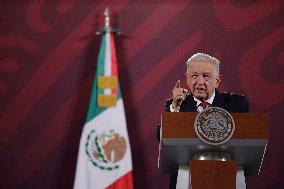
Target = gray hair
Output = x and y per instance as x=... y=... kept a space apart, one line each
x=201 y=57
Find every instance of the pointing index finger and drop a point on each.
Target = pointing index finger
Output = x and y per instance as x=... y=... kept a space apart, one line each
x=177 y=84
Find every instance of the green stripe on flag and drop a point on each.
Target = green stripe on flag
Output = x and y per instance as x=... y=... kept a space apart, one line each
x=94 y=110
x=101 y=57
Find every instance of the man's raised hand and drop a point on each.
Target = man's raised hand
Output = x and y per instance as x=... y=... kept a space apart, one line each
x=179 y=95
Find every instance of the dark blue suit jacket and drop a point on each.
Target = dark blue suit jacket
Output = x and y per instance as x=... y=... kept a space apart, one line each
x=228 y=101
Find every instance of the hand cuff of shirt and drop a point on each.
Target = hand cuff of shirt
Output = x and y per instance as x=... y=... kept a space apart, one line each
x=172 y=109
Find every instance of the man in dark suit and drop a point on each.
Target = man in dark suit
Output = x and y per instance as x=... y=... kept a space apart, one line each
x=203 y=78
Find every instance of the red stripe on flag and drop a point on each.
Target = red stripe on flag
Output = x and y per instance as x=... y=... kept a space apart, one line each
x=113 y=59
x=124 y=182
x=113 y=55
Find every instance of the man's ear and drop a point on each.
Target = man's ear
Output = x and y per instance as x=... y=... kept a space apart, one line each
x=218 y=80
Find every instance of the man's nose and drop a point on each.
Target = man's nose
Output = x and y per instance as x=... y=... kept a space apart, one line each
x=200 y=80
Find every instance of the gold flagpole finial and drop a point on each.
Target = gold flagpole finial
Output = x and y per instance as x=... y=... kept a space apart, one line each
x=107 y=17
x=107 y=24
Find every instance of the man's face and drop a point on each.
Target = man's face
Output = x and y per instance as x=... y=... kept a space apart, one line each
x=202 y=79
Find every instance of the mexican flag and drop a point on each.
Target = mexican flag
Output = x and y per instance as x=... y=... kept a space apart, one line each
x=104 y=158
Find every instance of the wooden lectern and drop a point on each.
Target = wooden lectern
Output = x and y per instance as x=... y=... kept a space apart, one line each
x=179 y=145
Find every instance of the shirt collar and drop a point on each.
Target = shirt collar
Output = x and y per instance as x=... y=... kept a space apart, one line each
x=210 y=100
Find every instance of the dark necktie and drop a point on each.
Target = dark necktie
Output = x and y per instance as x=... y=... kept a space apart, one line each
x=204 y=104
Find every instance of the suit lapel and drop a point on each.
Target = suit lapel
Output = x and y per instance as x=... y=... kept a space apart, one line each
x=219 y=100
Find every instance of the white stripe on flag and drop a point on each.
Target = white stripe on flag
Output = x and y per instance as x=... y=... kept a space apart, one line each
x=107 y=63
